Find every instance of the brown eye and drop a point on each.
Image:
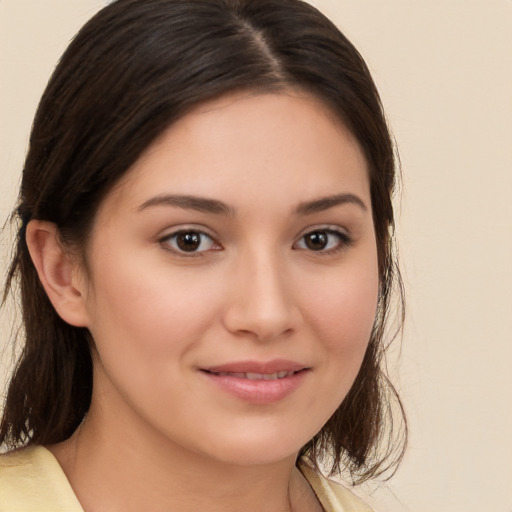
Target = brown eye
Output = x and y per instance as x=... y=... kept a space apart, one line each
x=325 y=240
x=316 y=241
x=189 y=242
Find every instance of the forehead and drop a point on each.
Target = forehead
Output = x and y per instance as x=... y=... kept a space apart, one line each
x=281 y=146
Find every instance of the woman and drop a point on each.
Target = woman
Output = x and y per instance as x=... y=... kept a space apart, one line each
x=205 y=262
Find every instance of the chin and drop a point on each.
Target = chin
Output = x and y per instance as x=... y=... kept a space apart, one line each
x=253 y=447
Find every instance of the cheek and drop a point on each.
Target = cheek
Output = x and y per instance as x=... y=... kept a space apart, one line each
x=342 y=312
x=146 y=326
x=149 y=312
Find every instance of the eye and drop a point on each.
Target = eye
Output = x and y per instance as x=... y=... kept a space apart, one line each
x=190 y=241
x=323 y=240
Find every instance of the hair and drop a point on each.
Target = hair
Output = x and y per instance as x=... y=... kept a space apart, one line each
x=134 y=69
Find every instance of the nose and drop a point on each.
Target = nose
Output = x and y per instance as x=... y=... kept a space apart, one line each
x=261 y=302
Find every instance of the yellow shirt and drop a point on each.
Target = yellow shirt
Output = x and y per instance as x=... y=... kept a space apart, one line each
x=31 y=480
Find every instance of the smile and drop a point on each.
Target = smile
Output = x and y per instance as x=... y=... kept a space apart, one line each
x=256 y=382
x=256 y=376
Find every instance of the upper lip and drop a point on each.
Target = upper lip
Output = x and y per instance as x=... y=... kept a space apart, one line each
x=263 y=367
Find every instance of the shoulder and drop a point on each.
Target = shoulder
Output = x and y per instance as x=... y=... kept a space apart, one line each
x=31 y=480
x=333 y=496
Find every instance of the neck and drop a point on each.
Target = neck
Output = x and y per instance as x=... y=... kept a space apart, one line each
x=125 y=469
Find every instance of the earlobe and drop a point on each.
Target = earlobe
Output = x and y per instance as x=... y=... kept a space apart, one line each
x=57 y=272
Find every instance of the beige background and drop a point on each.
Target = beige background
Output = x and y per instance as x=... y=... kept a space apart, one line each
x=444 y=69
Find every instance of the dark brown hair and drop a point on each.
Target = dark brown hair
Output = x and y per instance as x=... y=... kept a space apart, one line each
x=132 y=70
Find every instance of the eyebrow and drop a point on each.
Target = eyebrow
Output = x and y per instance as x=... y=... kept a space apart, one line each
x=203 y=204
x=324 y=203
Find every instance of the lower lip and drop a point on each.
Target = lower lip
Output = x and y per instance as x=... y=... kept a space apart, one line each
x=258 y=391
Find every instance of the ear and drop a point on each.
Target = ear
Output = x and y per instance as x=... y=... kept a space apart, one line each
x=58 y=273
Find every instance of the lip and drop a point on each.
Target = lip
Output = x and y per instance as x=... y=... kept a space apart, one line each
x=273 y=366
x=268 y=382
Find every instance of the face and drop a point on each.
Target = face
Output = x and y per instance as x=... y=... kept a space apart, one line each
x=233 y=280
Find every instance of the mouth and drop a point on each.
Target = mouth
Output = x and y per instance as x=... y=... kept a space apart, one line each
x=256 y=382
x=254 y=375
x=254 y=370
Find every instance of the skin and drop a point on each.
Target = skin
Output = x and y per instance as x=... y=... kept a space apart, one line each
x=159 y=431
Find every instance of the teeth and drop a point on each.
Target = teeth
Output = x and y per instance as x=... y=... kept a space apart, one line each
x=254 y=376
x=257 y=376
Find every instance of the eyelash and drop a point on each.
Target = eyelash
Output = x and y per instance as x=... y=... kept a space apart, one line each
x=343 y=241
x=166 y=241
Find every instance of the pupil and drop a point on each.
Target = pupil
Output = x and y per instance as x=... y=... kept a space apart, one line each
x=316 y=241
x=189 y=241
